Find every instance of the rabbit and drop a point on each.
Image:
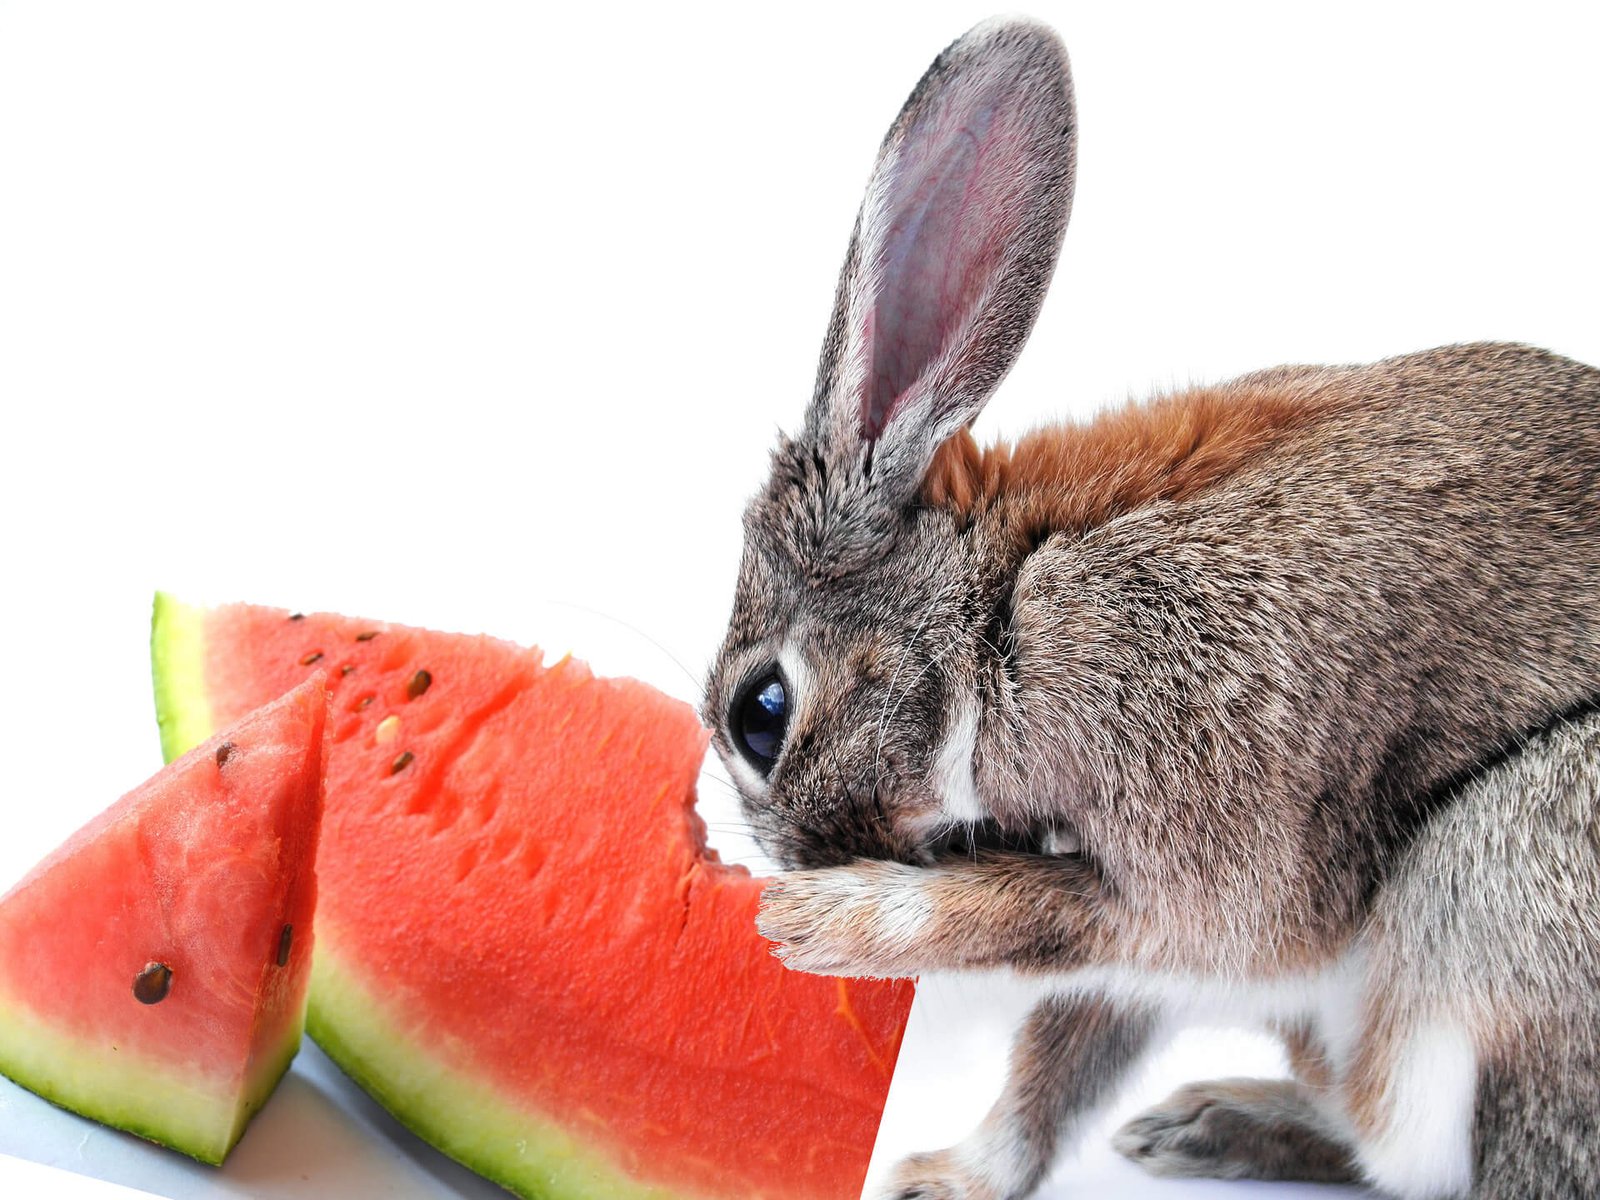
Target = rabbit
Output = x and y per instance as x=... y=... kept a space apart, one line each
x=1271 y=701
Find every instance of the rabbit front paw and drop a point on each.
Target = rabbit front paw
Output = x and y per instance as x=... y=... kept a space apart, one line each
x=863 y=920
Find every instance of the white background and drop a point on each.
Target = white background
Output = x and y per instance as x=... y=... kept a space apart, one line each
x=442 y=313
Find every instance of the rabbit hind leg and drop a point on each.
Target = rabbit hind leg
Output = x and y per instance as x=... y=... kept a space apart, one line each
x=1537 y=1126
x=1238 y=1129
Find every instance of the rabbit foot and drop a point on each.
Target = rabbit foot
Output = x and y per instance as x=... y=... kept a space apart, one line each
x=1237 y=1129
x=935 y=1176
x=859 y=920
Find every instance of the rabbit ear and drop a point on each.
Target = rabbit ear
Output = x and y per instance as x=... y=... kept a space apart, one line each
x=952 y=251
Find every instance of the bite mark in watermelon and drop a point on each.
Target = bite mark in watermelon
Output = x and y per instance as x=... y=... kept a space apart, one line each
x=525 y=950
x=154 y=968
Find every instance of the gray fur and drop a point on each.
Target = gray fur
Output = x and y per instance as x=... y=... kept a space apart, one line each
x=1496 y=913
x=1295 y=718
x=1251 y=700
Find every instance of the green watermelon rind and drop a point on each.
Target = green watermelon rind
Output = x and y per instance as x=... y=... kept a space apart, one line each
x=124 y=1092
x=177 y=663
x=471 y=1122
x=483 y=1132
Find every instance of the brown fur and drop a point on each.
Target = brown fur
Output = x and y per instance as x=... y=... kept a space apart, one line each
x=1364 y=1090
x=1074 y=477
x=1308 y=1057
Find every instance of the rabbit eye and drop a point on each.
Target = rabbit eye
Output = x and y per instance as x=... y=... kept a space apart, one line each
x=759 y=718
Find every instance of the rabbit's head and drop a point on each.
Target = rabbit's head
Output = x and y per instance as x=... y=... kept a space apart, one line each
x=846 y=693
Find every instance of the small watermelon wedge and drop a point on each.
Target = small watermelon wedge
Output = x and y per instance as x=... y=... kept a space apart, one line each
x=154 y=968
x=525 y=950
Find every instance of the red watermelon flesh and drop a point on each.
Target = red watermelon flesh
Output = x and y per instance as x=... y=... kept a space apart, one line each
x=180 y=892
x=525 y=949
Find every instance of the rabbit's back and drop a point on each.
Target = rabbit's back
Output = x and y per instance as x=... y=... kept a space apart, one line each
x=1407 y=421
x=1388 y=578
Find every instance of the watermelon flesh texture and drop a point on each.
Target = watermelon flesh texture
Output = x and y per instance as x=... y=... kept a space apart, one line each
x=200 y=869
x=525 y=950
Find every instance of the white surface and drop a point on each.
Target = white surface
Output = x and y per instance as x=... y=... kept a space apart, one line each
x=25 y=1178
x=429 y=312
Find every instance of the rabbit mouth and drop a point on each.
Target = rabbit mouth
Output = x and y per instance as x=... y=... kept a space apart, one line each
x=1055 y=838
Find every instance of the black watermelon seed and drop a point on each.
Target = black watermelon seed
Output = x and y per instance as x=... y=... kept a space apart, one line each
x=346 y=669
x=311 y=658
x=401 y=763
x=151 y=985
x=364 y=701
x=420 y=682
x=225 y=752
x=297 y=616
x=285 y=940
x=367 y=636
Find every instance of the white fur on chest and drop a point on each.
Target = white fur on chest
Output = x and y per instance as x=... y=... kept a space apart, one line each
x=953 y=780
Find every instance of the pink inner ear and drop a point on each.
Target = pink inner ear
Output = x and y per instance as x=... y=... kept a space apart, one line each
x=950 y=211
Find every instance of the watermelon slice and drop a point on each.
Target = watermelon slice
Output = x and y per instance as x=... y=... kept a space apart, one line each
x=154 y=968
x=525 y=950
